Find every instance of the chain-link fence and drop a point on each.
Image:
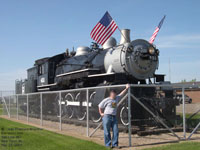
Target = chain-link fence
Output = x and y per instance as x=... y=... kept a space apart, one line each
x=7 y=93
x=3 y=94
x=144 y=110
x=191 y=106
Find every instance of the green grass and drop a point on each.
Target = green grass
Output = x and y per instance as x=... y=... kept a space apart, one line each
x=179 y=146
x=197 y=116
x=191 y=123
x=44 y=140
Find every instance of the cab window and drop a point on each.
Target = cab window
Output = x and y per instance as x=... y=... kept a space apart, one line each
x=40 y=69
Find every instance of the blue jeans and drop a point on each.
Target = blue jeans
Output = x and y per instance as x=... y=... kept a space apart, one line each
x=109 y=122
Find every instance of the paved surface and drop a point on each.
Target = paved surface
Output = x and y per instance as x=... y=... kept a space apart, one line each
x=189 y=108
x=138 y=142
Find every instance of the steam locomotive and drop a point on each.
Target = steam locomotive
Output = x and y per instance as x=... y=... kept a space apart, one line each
x=133 y=62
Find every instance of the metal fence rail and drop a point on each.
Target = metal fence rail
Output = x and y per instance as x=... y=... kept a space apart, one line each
x=21 y=107
x=7 y=93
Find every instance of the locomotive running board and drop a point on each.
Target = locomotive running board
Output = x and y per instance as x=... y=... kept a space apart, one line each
x=77 y=71
x=44 y=89
x=103 y=74
x=46 y=85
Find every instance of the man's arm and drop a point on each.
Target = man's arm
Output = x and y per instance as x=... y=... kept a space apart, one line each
x=101 y=107
x=101 y=112
x=124 y=91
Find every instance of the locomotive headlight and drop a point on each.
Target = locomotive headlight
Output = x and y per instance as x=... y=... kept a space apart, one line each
x=151 y=50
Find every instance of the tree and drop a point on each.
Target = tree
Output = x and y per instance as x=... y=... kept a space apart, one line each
x=194 y=80
x=183 y=81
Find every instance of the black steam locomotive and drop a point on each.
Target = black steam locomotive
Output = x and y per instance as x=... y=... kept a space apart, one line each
x=133 y=62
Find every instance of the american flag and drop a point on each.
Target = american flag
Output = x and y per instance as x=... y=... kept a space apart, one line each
x=104 y=29
x=156 y=31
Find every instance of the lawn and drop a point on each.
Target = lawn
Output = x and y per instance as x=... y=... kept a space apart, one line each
x=33 y=138
x=179 y=146
x=192 y=122
x=197 y=116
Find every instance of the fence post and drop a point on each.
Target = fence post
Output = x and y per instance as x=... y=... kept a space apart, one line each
x=129 y=116
x=27 y=108
x=87 y=111
x=2 y=102
x=9 y=106
x=17 y=108
x=60 y=107
x=1 y=96
x=41 y=119
x=183 y=103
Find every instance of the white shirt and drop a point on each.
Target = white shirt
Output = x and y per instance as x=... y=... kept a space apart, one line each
x=109 y=105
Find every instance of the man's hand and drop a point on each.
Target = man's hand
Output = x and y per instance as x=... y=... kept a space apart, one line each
x=102 y=114
x=127 y=86
x=125 y=90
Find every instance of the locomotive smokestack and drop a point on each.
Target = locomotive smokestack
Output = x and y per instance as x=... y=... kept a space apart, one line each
x=125 y=36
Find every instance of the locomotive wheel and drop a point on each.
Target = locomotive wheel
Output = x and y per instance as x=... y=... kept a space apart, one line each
x=95 y=116
x=124 y=115
x=56 y=107
x=80 y=110
x=69 y=112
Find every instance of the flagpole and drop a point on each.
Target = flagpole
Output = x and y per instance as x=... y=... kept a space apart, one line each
x=120 y=31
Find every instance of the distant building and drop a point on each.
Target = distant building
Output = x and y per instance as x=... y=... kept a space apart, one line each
x=190 y=85
x=192 y=89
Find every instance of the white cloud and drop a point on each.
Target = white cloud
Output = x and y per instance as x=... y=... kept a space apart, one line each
x=7 y=79
x=179 y=41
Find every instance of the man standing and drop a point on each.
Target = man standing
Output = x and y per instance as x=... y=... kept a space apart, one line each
x=109 y=105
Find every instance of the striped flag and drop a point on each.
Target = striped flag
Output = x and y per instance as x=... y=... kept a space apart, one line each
x=104 y=29
x=156 y=31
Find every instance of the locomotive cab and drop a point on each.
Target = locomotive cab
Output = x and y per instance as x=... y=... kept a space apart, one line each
x=42 y=66
x=46 y=71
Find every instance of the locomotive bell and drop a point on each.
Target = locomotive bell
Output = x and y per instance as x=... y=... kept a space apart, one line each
x=111 y=42
x=125 y=36
x=82 y=50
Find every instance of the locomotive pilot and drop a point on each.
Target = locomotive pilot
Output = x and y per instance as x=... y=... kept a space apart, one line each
x=109 y=105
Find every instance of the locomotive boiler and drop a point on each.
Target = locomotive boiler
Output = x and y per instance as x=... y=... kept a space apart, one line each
x=133 y=62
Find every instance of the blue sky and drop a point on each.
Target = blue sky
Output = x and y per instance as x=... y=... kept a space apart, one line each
x=34 y=29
